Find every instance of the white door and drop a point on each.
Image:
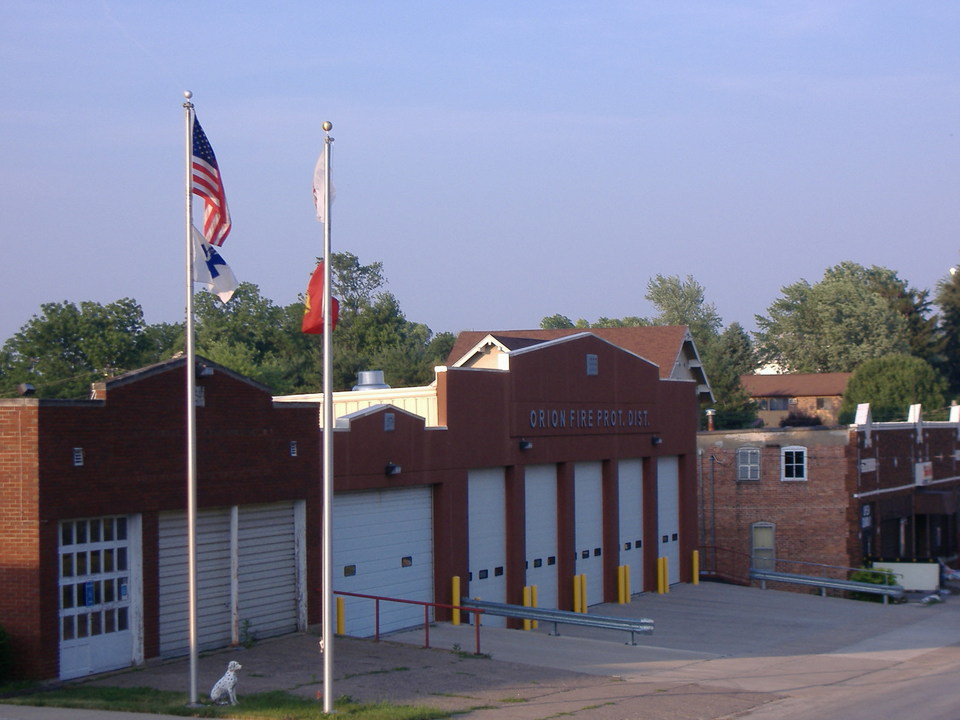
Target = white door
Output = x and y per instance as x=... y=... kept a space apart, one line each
x=100 y=595
x=487 y=540
x=383 y=546
x=588 y=527
x=668 y=514
x=541 y=532
x=630 y=474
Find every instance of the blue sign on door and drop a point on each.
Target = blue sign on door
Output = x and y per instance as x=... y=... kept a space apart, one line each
x=88 y=597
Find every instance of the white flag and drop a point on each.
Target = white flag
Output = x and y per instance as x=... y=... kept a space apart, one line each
x=210 y=269
x=319 y=181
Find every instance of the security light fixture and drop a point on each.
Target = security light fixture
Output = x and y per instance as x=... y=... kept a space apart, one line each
x=391 y=469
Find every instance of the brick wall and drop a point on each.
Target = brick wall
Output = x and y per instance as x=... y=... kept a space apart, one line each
x=811 y=518
x=20 y=530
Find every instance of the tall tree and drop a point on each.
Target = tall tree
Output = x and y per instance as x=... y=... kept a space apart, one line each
x=683 y=302
x=725 y=360
x=891 y=384
x=67 y=346
x=948 y=300
x=831 y=326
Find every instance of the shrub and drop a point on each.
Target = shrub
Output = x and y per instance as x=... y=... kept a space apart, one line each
x=876 y=577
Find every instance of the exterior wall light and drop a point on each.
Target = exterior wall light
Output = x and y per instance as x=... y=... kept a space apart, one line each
x=391 y=470
x=525 y=445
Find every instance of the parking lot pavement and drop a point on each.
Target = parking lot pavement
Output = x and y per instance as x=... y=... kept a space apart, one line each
x=717 y=651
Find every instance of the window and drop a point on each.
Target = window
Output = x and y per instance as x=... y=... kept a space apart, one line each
x=762 y=552
x=793 y=463
x=748 y=464
x=772 y=403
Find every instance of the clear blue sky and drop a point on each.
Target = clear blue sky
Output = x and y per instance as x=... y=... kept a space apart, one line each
x=504 y=160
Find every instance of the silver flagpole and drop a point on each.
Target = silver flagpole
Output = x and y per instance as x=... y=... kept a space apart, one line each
x=328 y=629
x=191 y=412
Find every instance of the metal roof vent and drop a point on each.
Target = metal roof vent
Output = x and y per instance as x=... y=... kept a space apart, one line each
x=370 y=380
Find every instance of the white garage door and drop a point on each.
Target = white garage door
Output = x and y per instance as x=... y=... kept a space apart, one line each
x=588 y=527
x=383 y=545
x=631 y=520
x=250 y=575
x=541 y=532
x=486 y=501
x=668 y=514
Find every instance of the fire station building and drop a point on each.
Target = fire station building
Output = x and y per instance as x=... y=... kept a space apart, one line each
x=528 y=460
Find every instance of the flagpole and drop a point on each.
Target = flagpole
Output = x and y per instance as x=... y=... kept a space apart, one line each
x=327 y=583
x=191 y=411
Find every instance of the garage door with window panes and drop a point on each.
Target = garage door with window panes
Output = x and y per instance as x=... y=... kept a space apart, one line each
x=540 y=501
x=487 y=539
x=668 y=514
x=588 y=527
x=98 y=585
x=630 y=482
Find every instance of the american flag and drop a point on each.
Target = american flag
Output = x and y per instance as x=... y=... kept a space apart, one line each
x=207 y=184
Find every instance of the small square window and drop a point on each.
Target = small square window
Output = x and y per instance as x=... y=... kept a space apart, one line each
x=349 y=570
x=483 y=574
x=593 y=365
x=538 y=562
x=552 y=560
x=498 y=571
x=597 y=552
x=627 y=545
x=406 y=561
x=584 y=554
x=389 y=422
x=748 y=464
x=793 y=463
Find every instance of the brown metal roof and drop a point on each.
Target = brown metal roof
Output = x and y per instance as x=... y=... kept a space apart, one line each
x=795 y=385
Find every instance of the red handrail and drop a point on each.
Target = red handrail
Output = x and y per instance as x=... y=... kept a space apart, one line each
x=426 y=611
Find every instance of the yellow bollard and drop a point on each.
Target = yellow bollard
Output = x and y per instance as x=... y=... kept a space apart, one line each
x=583 y=590
x=455 y=599
x=661 y=570
x=533 y=601
x=341 y=620
x=620 y=587
x=666 y=576
x=626 y=584
x=576 y=593
x=526 y=603
x=696 y=567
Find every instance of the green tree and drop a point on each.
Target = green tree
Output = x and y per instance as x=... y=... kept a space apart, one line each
x=683 y=302
x=725 y=360
x=891 y=384
x=66 y=347
x=833 y=325
x=948 y=300
x=556 y=322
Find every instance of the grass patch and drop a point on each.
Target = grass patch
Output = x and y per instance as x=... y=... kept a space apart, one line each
x=513 y=700
x=277 y=705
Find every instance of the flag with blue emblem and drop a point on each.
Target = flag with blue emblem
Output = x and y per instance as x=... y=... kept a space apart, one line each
x=210 y=269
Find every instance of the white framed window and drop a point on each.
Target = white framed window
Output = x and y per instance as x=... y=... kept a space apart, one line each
x=763 y=548
x=748 y=464
x=793 y=463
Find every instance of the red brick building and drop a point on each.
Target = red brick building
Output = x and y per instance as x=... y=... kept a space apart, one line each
x=830 y=496
x=573 y=456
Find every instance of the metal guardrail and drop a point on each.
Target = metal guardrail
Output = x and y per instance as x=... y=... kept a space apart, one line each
x=643 y=626
x=824 y=583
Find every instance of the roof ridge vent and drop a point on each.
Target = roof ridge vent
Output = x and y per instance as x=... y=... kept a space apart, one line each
x=370 y=380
